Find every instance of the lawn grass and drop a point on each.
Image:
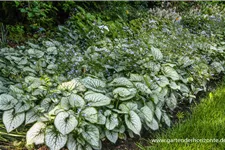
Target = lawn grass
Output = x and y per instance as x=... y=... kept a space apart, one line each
x=207 y=121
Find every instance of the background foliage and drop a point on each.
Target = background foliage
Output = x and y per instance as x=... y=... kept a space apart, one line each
x=38 y=17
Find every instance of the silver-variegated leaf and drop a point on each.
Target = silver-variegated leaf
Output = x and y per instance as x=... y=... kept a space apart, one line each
x=97 y=99
x=101 y=119
x=31 y=116
x=90 y=114
x=136 y=78
x=54 y=140
x=127 y=107
x=121 y=81
x=184 y=88
x=21 y=107
x=94 y=84
x=7 y=102
x=124 y=94
x=217 y=66
x=36 y=134
x=158 y=113
x=142 y=88
x=171 y=102
x=153 y=124
x=91 y=135
x=133 y=122
x=147 y=113
x=170 y=72
x=71 y=143
x=162 y=81
x=112 y=121
x=156 y=53
x=76 y=101
x=111 y=136
x=65 y=122
x=12 y=120
x=74 y=84
x=166 y=119
x=174 y=86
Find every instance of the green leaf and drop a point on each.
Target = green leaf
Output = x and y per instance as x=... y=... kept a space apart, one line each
x=74 y=84
x=154 y=67
x=31 y=116
x=15 y=89
x=170 y=72
x=127 y=107
x=142 y=88
x=158 y=113
x=94 y=84
x=91 y=135
x=65 y=122
x=71 y=143
x=164 y=92
x=36 y=53
x=12 y=120
x=153 y=124
x=64 y=103
x=101 y=119
x=174 y=86
x=21 y=107
x=33 y=82
x=46 y=104
x=111 y=136
x=76 y=101
x=112 y=121
x=185 y=61
x=52 y=50
x=7 y=102
x=133 y=122
x=136 y=78
x=156 y=53
x=121 y=81
x=217 y=66
x=151 y=105
x=90 y=114
x=171 y=102
x=124 y=94
x=54 y=140
x=166 y=119
x=155 y=98
x=36 y=134
x=97 y=99
x=146 y=111
x=184 y=88
x=162 y=81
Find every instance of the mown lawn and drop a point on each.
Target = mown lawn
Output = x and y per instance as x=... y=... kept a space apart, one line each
x=207 y=121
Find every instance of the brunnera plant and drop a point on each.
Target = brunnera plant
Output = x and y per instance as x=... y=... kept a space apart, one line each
x=82 y=88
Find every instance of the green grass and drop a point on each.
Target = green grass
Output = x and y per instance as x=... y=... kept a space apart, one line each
x=207 y=121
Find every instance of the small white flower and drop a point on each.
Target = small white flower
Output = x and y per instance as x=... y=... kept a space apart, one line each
x=103 y=27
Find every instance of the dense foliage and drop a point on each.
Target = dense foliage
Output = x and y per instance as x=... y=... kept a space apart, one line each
x=33 y=19
x=100 y=79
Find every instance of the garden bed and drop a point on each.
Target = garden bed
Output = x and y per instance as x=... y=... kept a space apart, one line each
x=99 y=81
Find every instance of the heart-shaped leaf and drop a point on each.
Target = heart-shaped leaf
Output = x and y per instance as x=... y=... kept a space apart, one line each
x=133 y=122
x=54 y=140
x=65 y=122
x=36 y=134
x=12 y=120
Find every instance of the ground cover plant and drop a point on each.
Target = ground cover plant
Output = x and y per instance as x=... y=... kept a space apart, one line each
x=205 y=122
x=105 y=80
